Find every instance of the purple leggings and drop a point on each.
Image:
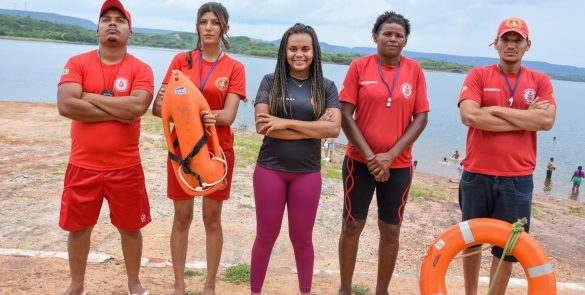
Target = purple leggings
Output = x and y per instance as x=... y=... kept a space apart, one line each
x=299 y=192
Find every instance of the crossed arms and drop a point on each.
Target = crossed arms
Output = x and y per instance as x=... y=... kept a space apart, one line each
x=288 y=129
x=540 y=115
x=75 y=104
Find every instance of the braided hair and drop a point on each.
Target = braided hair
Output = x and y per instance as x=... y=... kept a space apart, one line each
x=221 y=12
x=279 y=90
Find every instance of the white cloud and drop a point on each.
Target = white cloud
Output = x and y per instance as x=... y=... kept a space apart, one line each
x=452 y=27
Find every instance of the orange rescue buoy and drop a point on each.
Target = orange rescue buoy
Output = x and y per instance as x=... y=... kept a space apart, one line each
x=538 y=269
x=198 y=171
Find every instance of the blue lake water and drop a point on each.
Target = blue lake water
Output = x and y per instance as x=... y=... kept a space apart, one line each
x=30 y=72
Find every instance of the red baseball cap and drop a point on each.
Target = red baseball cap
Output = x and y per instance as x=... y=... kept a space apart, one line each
x=109 y=4
x=513 y=24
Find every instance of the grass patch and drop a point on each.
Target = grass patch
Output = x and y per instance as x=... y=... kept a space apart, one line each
x=359 y=290
x=245 y=206
x=331 y=170
x=194 y=293
x=415 y=193
x=535 y=212
x=237 y=274
x=151 y=124
x=576 y=211
x=190 y=274
x=246 y=148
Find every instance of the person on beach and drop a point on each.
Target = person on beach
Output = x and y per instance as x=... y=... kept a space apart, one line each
x=455 y=155
x=576 y=179
x=384 y=107
x=222 y=81
x=104 y=92
x=550 y=167
x=504 y=105
x=295 y=108
x=330 y=149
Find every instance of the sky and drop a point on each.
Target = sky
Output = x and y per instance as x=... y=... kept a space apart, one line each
x=459 y=27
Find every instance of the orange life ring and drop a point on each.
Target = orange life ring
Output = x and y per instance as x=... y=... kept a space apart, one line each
x=198 y=171
x=538 y=269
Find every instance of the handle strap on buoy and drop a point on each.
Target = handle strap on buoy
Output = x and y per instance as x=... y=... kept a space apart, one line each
x=517 y=229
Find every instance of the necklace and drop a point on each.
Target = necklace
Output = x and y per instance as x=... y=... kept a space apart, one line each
x=202 y=83
x=299 y=85
x=512 y=90
x=390 y=89
x=107 y=91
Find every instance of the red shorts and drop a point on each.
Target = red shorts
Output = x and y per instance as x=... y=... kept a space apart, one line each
x=175 y=192
x=85 y=190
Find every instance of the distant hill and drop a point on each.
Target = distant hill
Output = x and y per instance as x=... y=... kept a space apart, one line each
x=335 y=53
x=74 y=21
x=563 y=72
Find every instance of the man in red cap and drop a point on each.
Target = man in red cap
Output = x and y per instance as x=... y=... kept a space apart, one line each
x=104 y=92
x=504 y=105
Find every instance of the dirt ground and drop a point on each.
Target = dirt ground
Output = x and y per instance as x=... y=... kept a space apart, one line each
x=34 y=150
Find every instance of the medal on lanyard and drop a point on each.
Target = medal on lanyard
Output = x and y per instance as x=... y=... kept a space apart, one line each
x=512 y=90
x=390 y=89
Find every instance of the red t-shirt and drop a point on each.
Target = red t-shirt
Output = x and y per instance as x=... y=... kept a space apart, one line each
x=380 y=125
x=503 y=153
x=107 y=145
x=228 y=76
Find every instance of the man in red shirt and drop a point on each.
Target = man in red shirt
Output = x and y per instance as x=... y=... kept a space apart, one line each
x=503 y=105
x=105 y=92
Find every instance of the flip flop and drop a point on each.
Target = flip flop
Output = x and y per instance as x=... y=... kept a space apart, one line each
x=145 y=293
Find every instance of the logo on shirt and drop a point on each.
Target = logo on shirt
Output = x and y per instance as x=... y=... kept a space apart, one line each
x=529 y=95
x=368 y=82
x=180 y=91
x=143 y=217
x=121 y=84
x=464 y=88
x=492 y=89
x=65 y=71
x=406 y=89
x=222 y=83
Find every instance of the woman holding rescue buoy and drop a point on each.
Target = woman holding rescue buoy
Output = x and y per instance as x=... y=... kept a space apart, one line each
x=295 y=107
x=221 y=79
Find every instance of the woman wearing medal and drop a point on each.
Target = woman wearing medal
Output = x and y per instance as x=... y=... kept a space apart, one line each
x=221 y=80
x=384 y=107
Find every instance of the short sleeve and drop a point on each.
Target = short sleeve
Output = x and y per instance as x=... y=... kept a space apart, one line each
x=175 y=65
x=349 y=89
x=238 y=81
x=143 y=78
x=264 y=89
x=471 y=87
x=332 y=97
x=545 y=90
x=421 y=103
x=72 y=72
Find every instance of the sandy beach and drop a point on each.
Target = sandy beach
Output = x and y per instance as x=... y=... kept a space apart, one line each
x=34 y=151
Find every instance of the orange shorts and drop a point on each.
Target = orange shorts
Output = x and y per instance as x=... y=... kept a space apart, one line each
x=175 y=192
x=85 y=190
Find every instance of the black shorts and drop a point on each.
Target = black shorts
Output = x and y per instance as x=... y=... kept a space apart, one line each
x=359 y=186
x=498 y=197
